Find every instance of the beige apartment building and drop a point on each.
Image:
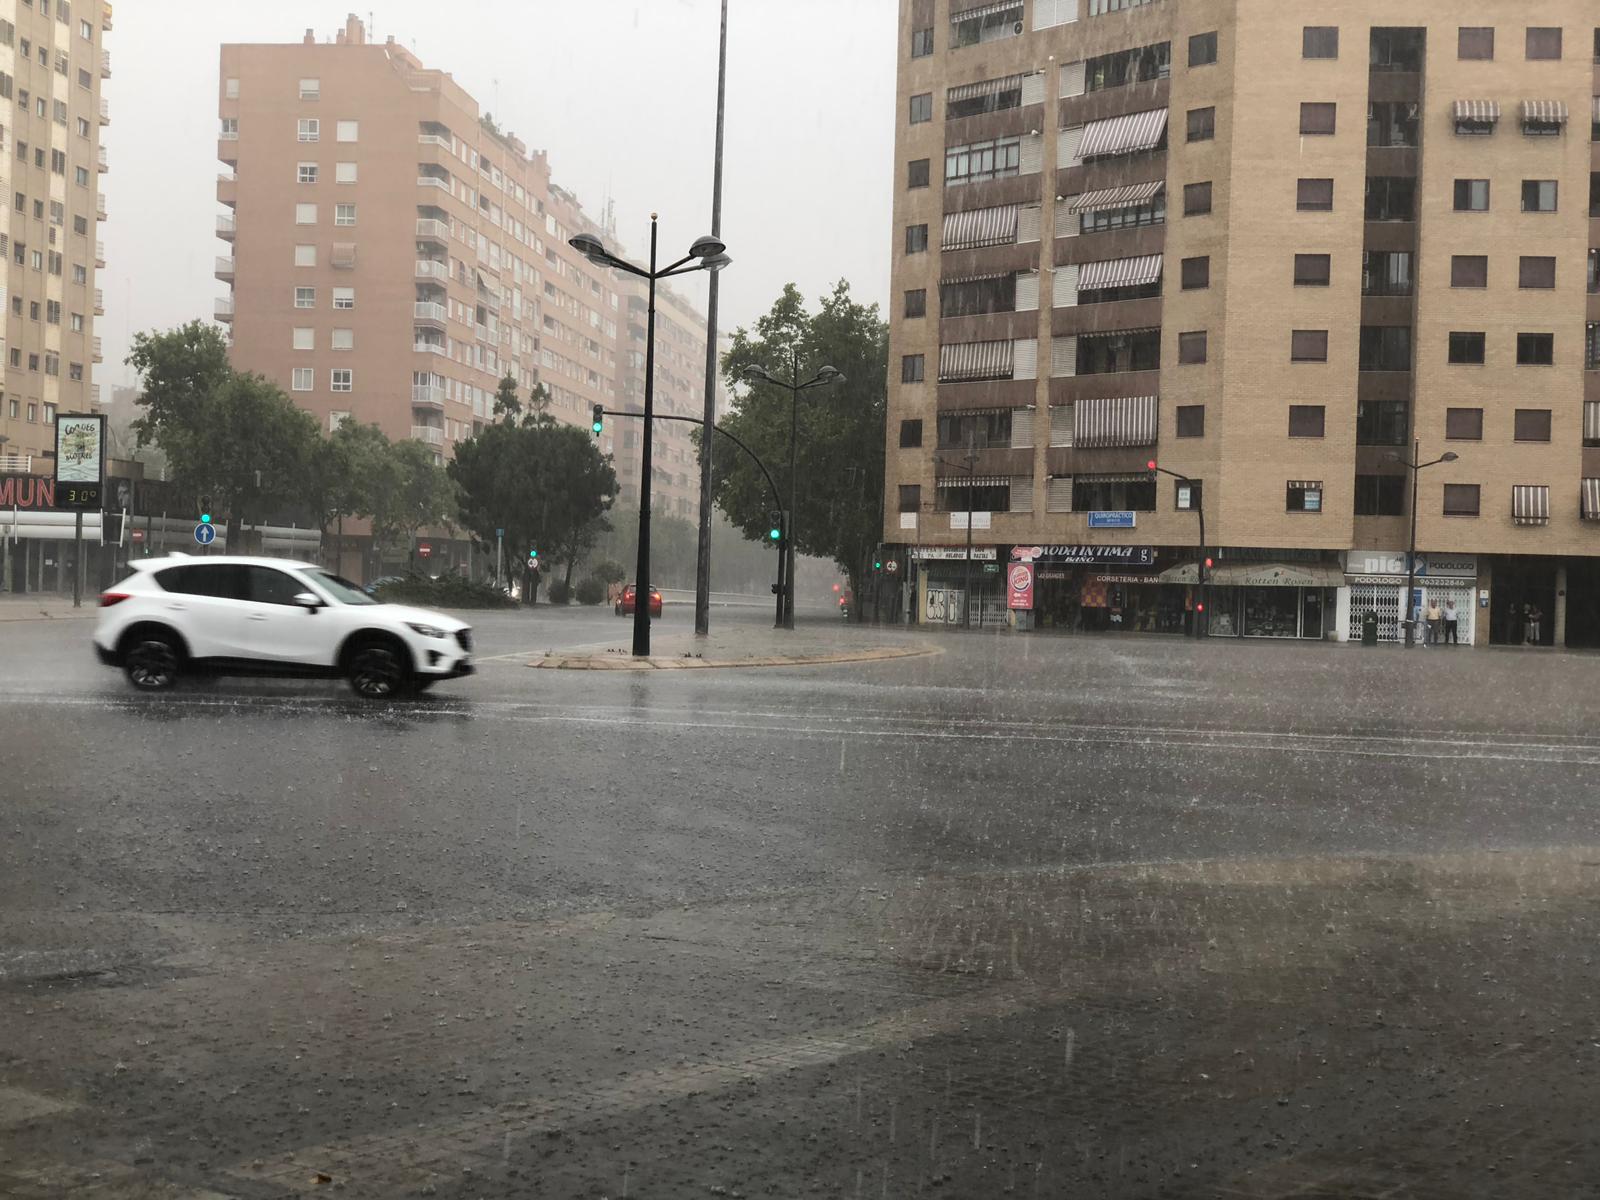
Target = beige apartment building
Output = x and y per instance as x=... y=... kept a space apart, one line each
x=53 y=66
x=680 y=391
x=1271 y=247
x=395 y=254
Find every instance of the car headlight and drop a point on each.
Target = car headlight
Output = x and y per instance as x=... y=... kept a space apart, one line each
x=432 y=631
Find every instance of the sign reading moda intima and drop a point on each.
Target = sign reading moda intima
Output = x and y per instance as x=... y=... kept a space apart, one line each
x=1125 y=556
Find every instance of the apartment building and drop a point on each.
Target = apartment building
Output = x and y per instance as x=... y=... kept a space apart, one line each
x=53 y=67
x=1271 y=247
x=679 y=391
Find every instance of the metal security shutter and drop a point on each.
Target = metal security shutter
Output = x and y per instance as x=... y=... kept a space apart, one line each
x=1381 y=598
x=1064 y=293
x=1027 y=291
x=1067 y=222
x=1058 y=494
x=1022 y=429
x=1063 y=357
x=1033 y=88
x=1589 y=505
x=1022 y=494
x=1047 y=14
x=1061 y=425
x=1028 y=223
x=1025 y=358
x=1071 y=79
x=1067 y=143
x=1114 y=421
x=1032 y=154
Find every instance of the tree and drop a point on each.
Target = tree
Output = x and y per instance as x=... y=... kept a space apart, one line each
x=506 y=403
x=839 y=455
x=412 y=491
x=351 y=469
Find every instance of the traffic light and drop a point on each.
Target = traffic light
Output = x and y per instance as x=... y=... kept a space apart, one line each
x=599 y=419
x=205 y=510
x=533 y=560
x=877 y=564
x=1208 y=563
x=775 y=525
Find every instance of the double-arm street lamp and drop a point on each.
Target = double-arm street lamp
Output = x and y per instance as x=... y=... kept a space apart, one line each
x=823 y=378
x=1197 y=499
x=707 y=254
x=1416 y=466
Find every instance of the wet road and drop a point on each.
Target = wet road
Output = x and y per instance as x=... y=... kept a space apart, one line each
x=1044 y=917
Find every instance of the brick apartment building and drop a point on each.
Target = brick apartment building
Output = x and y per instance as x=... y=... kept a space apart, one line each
x=1269 y=245
x=395 y=254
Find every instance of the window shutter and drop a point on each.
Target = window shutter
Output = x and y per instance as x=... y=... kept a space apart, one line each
x=1063 y=357
x=1071 y=79
x=1032 y=154
x=1027 y=291
x=1061 y=425
x=1047 y=14
x=1067 y=223
x=1022 y=429
x=1033 y=88
x=1028 y=223
x=1067 y=144
x=1058 y=493
x=1022 y=494
x=1025 y=358
x=1066 y=287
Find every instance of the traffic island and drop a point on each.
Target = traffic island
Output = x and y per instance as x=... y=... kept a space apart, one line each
x=620 y=660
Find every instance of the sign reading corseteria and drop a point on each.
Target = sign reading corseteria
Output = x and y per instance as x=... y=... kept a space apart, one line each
x=80 y=461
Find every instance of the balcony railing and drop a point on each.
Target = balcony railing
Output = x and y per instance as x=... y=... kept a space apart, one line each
x=427 y=396
x=426 y=310
x=100 y=302
x=103 y=159
x=224 y=269
x=95 y=347
x=223 y=310
x=105 y=112
x=100 y=207
x=105 y=64
x=422 y=347
x=99 y=254
x=435 y=230
x=432 y=139
x=433 y=181
x=16 y=464
x=429 y=269
x=226 y=226
x=431 y=434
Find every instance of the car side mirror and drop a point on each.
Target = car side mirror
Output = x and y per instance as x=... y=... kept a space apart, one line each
x=309 y=601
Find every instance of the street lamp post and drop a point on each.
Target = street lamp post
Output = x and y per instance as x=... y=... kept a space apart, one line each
x=1416 y=467
x=1197 y=493
x=707 y=254
x=969 y=464
x=823 y=378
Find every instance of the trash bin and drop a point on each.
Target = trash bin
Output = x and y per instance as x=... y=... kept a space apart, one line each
x=1369 y=629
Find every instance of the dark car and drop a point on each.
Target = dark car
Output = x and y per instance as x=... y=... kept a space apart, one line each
x=625 y=605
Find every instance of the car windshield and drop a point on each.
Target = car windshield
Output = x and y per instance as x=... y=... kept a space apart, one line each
x=340 y=588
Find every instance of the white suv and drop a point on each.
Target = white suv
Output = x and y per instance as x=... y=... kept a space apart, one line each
x=271 y=616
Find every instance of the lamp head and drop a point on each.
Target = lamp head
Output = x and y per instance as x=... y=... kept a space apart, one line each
x=830 y=375
x=1449 y=456
x=756 y=374
x=590 y=247
x=715 y=262
x=707 y=247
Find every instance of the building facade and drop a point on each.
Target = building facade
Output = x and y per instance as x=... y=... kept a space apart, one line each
x=1272 y=249
x=680 y=369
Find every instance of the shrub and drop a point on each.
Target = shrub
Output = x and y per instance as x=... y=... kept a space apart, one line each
x=448 y=591
x=591 y=590
x=560 y=593
x=609 y=571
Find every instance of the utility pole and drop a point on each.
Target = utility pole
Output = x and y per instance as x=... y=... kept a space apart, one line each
x=702 y=569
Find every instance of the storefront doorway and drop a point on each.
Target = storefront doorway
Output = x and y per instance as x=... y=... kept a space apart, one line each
x=1583 y=603
x=1523 y=602
x=1274 y=600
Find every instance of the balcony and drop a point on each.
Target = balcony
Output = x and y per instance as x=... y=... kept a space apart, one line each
x=426 y=396
x=100 y=207
x=100 y=302
x=16 y=464
x=228 y=190
x=103 y=161
x=427 y=312
x=422 y=346
x=433 y=139
x=223 y=310
x=224 y=268
x=433 y=231
x=427 y=268
x=432 y=435
x=433 y=181
x=95 y=349
x=226 y=226
x=105 y=112
x=105 y=18
x=105 y=64
x=94 y=395
x=100 y=254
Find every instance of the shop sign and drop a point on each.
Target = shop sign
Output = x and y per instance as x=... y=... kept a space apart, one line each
x=954 y=553
x=1123 y=579
x=1019 y=592
x=1379 y=562
x=1123 y=519
x=1124 y=556
x=27 y=492
x=1453 y=566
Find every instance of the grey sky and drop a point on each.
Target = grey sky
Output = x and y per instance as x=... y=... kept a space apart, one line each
x=622 y=93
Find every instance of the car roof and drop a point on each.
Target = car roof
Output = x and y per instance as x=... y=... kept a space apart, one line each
x=191 y=560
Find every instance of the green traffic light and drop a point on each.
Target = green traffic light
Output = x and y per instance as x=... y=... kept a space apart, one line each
x=205 y=518
x=775 y=534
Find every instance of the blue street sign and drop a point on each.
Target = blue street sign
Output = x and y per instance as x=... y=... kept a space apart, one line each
x=1111 y=520
x=499 y=533
x=205 y=534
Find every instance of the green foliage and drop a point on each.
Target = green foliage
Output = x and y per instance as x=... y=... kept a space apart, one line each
x=410 y=491
x=506 y=403
x=353 y=464
x=609 y=571
x=448 y=591
x=592 y=590
x=560 y=592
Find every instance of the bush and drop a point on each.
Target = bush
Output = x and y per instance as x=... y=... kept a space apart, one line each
x=591 y=590
x=609 y=571
x=560 y=593
x=448 y=591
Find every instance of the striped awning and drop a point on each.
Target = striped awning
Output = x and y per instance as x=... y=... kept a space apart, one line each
x=1591 y=420
x=1530 y=504
x=980 y=227
x=1114 y=421
x=1117 y=197
x=1477 y=110
x=967 y=361
x=1544 y=110
x=975 y=278
x=1115 y=477
x=1119 y=273
x=984 y=10
x=989 y=87
x=1123 y=135
x=1591 y=500
x=946 y=481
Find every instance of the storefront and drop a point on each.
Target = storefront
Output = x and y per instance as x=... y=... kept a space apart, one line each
x=1273 y=600
x=1375 y=581
x=1106 y=588
x=942 y=580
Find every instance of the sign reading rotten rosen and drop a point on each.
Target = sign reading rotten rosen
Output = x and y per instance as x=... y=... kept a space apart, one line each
x=80 y=461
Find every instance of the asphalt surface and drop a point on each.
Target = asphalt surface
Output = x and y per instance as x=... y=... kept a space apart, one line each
x=1074 y=916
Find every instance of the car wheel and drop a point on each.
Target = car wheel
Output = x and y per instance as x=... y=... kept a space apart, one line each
x=377 y=671
x=151 y=662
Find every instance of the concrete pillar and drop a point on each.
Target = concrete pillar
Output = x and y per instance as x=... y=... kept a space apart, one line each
x=1480 y=615
x=1558 y=628
x=1341 y=615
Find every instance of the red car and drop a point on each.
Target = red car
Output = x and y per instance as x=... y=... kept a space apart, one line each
x=629 y=593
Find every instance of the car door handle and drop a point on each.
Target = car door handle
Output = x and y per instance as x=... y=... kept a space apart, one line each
x=258 y=616
x=178 y=607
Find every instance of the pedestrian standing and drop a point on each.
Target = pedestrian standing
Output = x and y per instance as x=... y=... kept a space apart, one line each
x=1534 y=617
x=1451 y=623
x=1435 y=624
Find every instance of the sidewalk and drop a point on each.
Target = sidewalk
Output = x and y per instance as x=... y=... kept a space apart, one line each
x=45 y=606
x=809 y=644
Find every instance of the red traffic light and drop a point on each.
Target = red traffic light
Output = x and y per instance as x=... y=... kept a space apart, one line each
x=1208 y=564
x=1199 y=608
x=1151 y=465
x=836 y=587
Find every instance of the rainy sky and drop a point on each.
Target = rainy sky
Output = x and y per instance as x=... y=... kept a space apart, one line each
x=622 y=93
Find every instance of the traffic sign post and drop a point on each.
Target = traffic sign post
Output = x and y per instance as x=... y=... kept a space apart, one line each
x=205 y=533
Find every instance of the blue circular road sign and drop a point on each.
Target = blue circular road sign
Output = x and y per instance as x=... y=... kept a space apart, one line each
x=205 y=534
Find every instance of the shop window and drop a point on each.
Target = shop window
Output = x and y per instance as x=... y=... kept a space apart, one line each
x=910 y=497
x=1312 y=270
x=1196 y=199
x=1380 y=495
x=1465 y=348
x=1463 y=424
x=1382 y=422
x=1191 y=420
x=1308 y=345
x=1307 y=420
x=910 y=434
x=1460 y=499
x=1531 y=425
x=1314 y=195
x=1304 y=496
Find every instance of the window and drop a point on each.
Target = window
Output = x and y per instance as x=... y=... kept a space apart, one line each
x=1152 y=212
x=922 y=108
x=344 y=172
x=1196 y=199
x=916 y=239
x=1318 y=118
x=1536 y=271
x=1393 y=123
x=1308 y=345
x=1460 y=499
x=1110 y=353
x=300 y=379
x=305 y=256
x=80 y=176
x=1469 y=270
x=910 y=434
x=305 y=339
x=344 y=297
x=1536 y=349
x=917 y=302
x=990 y=23
x=1191 y=420
x=1304 y=496
x=1544 y=41
x=1475 y=42
x=1114 y=493
x=1386 y=273
x=921 y=43
x=1380 y=495
x=992 y=96
x=341 y=379
x=343 y=339
x=1319 y=41
x=305 y=297
x=1314 y=195
x=86 y=31
x=917 y=173
x=1140 y=65
x=980 y=429
x=80 y=273
x=308 y=129
x=305 y=214
x=1531 y=425
x=344 y=214
x=1196 y=273
x=1594 y=272
x=971 y=297
x=1472 y=195
x=980 y=161
x=306 y=172
x=346 y=131
x=910 y=497
x=1465 y=348
x=80 y=226
x=1539 y=195
x=310 y=89
x=1312 y=270
x=1391 y=198
x=911 y=368
x=1202 y=124
x=1463 y=424
x=1541 y=123
x=52 y=312
x=1192 y=347
x=1385 y=348
x=1306 y=420
x=1203 y=49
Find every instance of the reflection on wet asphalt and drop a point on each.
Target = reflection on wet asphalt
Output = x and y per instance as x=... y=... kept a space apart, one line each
x=1038 y=916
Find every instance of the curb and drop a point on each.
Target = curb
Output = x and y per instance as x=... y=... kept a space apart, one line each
x=619 y=662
